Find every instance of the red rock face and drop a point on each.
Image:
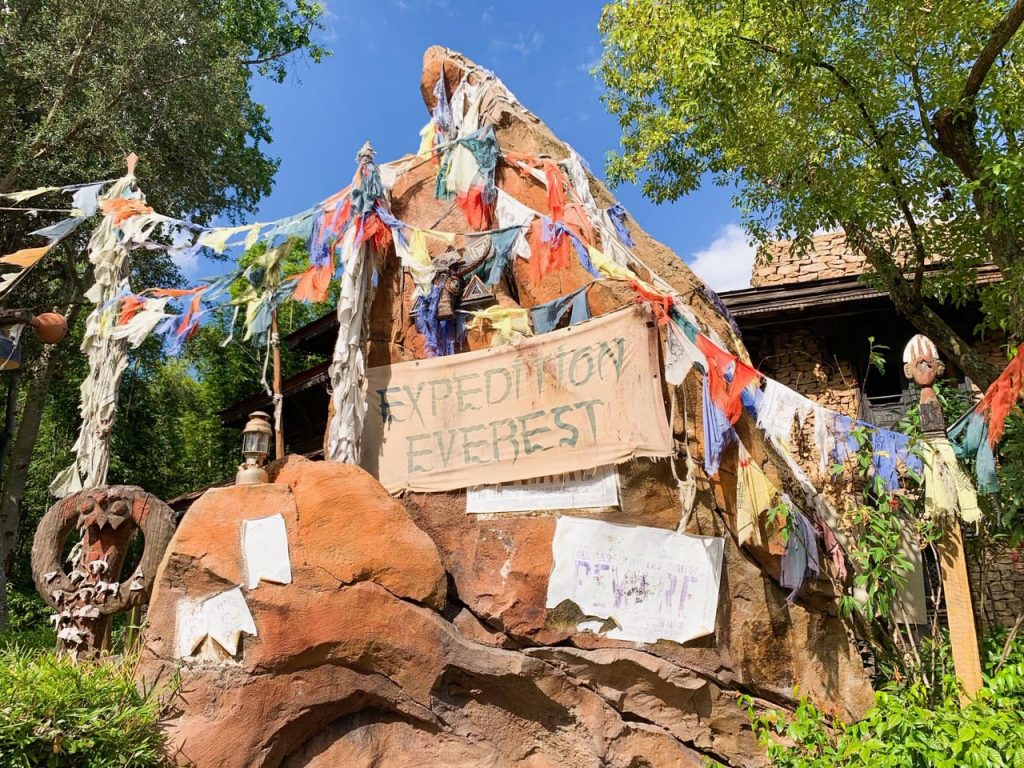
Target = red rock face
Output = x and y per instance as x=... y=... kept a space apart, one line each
x=415 y=634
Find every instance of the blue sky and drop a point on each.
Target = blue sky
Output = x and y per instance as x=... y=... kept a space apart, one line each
x=543 y=51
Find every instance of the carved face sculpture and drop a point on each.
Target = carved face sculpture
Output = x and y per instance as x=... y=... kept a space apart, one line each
x=921 y=363
x=101 y=508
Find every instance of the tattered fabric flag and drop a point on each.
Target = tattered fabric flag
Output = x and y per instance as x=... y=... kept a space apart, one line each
x=576 y=169
x=121 y=208
x=108 y=357
x=684 y=319
x=313 y=285
x=413 y=255
x=26 y=257
x=887 y=449
x=1001 y=396
x=844 y=444
x=441 y=337
x=85 y=199
x=188 y=322
x=728 y=377
x=508 y=323
x=25 y=194
x=681 y=354
x=549 y=248
x=477 y=210
x=970 y=440
x=503 y=243
x=217 y=239
x=138 y=318
x=58 y=231
x=754 y=496
x=300 y=225
x=546 y=317
x=617 y=214
x=716 y=300
x=428 y=138
x=554 y=178
x=718 y=429
x=509 y=212
x=442 y=111
x=946 y=487
x=662 y=304
x=800 y=559
x=780 y=408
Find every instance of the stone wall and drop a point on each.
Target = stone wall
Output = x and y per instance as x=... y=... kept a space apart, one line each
x=799 y=360
x=997 y=581
x=828 y=256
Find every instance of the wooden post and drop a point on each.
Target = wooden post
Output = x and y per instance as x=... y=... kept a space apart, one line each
x=275 y=341
x=922 y=364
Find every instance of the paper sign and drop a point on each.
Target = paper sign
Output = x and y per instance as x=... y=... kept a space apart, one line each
x=223 y=618
x=265 y=551
x=578 y=398
x=584 y=489
x=652 y=583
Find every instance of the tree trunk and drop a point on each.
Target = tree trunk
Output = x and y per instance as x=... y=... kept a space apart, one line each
x=16 y=474
x=10 y=417
x=920 y=315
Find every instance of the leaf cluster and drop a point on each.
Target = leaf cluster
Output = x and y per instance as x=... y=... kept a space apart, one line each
x=56 y=713
x=910 y=725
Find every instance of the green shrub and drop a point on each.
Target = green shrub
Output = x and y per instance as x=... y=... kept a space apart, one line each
x=912 y=725
x=29 y=624
x=56 y=713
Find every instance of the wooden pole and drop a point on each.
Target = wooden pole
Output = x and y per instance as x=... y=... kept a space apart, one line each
x=922 y=364
x=275 y=342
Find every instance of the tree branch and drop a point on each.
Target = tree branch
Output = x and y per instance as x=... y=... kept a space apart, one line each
x=997 y=41
x=271 y=57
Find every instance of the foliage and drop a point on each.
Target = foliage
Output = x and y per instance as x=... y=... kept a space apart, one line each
x=55 y=713
x=911 y=725
x=29 y=625
x=858 y=114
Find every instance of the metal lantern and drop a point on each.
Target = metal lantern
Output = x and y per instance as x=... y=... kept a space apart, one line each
x=255 y=448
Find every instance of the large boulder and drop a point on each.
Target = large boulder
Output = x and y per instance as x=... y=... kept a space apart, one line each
x=414 y=634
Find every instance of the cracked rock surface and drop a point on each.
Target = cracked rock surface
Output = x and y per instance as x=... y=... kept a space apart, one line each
x=389 y=648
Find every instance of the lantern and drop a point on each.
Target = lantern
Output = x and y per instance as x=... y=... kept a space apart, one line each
x=255 y=449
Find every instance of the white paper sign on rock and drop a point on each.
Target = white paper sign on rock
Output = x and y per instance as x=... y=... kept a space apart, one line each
x=223 y=618
x=653 y=583
x=265 y=551
x=584 y=489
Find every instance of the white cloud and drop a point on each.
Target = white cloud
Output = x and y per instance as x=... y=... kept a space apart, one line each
x=726 y=264
x=523 y=44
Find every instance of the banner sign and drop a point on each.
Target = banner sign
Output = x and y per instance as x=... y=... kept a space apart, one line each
x=572 y=399
x=652 y=583
x=585 y=489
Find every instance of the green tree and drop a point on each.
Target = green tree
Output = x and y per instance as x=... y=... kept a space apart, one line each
x=898 y=120
x=84 y=84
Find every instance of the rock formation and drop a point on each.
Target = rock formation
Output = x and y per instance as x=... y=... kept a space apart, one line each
x=414 y=634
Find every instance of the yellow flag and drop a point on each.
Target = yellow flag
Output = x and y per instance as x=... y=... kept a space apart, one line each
x=508 y=323
x=26 y=257
x=427 y=134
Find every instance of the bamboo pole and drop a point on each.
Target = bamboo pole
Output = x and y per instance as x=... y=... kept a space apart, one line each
x=275 y=342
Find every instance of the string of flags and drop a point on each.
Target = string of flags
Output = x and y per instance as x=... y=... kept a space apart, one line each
x=355 y=227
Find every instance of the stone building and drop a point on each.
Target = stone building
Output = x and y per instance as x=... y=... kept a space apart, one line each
x=808 y=321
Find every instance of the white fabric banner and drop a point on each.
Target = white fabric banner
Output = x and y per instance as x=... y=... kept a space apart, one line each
x=653 y=583
x=585 y=489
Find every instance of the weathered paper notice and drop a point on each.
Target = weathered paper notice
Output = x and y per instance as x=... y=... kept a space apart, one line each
x=584 y=489
x=652 y=583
